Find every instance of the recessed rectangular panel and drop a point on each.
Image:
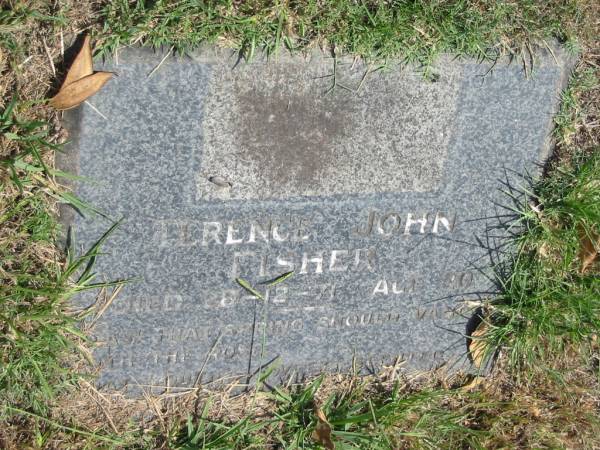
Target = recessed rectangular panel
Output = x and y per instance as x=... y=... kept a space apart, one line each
x=278 y=130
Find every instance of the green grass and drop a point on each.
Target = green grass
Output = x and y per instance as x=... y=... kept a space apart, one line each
x=546 y=301
x=362 y=419
x=24 y=141
x=570 y=119
x=40 y=342
x=359 y=419
x=416 y=31
x=15 y=16
x=35 y=330
x=39 y=333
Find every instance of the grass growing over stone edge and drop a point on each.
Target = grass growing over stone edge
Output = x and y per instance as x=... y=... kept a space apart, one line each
x=40 y=342
x=547 y=299
x=377 y=413
x=41 y=346
x=417 y=32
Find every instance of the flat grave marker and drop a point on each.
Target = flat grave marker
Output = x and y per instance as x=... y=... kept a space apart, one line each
x=375 y=195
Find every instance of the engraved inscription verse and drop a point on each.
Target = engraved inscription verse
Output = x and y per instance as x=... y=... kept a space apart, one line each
x=312 y=302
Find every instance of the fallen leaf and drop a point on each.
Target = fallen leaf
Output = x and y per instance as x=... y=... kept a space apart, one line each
x=590 y=243
x=322 y=433
x=477 y=345
x=81 y=82
x=535 y=411
x=80 y=90
x=544 y=250
x=476 y=381
x=82 y=64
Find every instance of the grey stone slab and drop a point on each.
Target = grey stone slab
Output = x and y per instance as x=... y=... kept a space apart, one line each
x=377 y=195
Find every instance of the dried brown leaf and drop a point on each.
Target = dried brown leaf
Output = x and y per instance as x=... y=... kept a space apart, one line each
x=477 y=345
x=475 y=382
x=535 y=411
x=589 y=250
x=82 y=64
x=322 y=433
x=544 y=250
x=80 y=90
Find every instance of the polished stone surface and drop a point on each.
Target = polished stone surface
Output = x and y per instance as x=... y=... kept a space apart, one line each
x=382 y=196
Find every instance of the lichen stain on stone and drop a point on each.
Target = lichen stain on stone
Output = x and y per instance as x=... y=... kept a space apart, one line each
x=291 y=137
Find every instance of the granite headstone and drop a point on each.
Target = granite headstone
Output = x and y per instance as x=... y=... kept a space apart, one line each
x=375 y=194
